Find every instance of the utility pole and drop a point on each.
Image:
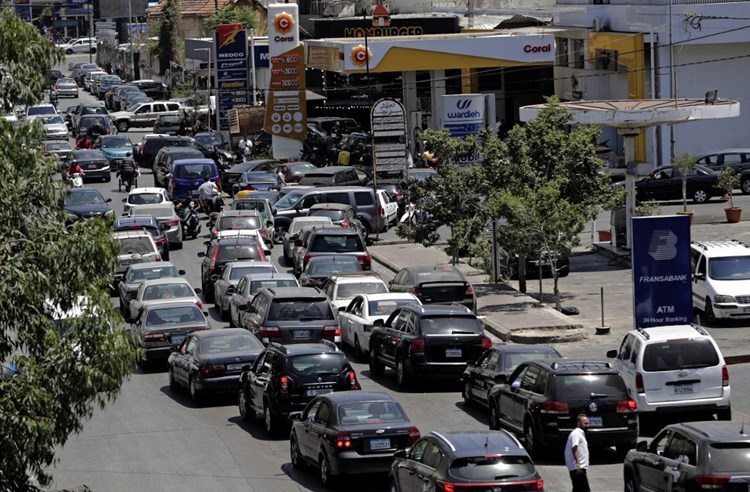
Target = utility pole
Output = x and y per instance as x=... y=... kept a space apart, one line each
x=91 y=31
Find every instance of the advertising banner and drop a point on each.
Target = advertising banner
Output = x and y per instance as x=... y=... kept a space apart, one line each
x=463 y=114
x=662 y=277
x=231 y=70
x=388 y=123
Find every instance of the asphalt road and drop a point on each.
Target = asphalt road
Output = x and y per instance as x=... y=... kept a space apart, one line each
x=153 y=439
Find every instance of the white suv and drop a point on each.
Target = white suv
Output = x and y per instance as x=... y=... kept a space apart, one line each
x=136 y=246
x=721 y=279
x=670 y=369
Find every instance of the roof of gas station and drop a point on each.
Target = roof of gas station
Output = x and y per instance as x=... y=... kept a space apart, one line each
x=523 y=46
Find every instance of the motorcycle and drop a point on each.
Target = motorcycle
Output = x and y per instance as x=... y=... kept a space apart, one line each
x=76 y=180
x=189 y=219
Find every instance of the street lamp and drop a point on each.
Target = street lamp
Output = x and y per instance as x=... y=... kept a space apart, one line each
x=208 y=85
x=91 y=30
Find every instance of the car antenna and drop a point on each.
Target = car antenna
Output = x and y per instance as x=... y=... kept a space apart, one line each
x=742 y=429
x=486 y=443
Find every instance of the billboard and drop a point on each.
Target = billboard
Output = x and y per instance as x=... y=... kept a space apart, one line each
x=231 y=70
x=463 y=114
x=662 y=277
x=388 y=124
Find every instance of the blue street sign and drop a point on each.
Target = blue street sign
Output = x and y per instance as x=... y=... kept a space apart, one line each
x=662 y=277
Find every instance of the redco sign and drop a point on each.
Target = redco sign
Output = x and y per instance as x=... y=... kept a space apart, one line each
x=537 y=49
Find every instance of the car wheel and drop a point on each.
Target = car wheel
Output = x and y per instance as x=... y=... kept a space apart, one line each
x=294 y=455
x=630 y=483
x=700 y=196
x=494 y=418
x=195 y=393
x=366 y=229
x=270 y=420
x=68 y=51
x=108 y=179
x=173 y=386
x=325 y=470
x=467 y=393
x=278 y=235
x=708 y=311
x=402 y=377
x=724 y=414
x=376 y=367
x=246 y=411
x=745 y=186
x=122 y=126
x=531 y=443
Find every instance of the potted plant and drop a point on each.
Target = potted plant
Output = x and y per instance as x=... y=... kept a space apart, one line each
x=682 y=164
x=728 y=180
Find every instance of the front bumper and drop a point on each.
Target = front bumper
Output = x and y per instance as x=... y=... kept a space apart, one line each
x=731 y=310
x=103 y=173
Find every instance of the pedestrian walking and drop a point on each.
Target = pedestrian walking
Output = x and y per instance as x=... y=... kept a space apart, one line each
x=577 y=455
x=246 y=146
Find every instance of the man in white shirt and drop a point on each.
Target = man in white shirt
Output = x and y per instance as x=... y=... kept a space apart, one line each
x=577 y=455
x=246 y=146
x=208 y=190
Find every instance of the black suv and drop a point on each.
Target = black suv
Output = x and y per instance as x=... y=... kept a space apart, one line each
x=292 y=315
x=284 y=378
x=542 y=399
x=691 y=456
x=151 y=144
x=465 y=460
x=336 y=241
x=222 y=251
x=426 y=341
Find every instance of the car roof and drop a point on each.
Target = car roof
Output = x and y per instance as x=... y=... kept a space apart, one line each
x=718 y=249
x=151 y=264
x=171 y=304
x=239 y=213
x=737 y=150
x=291 y=292
x=185 y=162
x=136 y=191
x=440 y=310
x=219 y=333
x=306 y=349
x=465 y=444
x=130 y=233
x=163 y=281
x=571 y=366
x=367 y=276
x=236 y=238
x=321 y=171
x=336 y=230
x=525 y=349
x=671 y=332
x=387 y=296
x=715 y=431
x=245 y=263
x=333 y=258
x=141 y=220
x=312 y=220
x=429 y=268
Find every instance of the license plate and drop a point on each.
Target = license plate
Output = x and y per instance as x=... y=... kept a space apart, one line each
x=453 y=352
x=301 y=333
x=595 y=421
x=380 y=444
x=318 y=391
x=177 y=339
x=90 y=166
x=234 y=367
x=682 y=389
x=746 y=309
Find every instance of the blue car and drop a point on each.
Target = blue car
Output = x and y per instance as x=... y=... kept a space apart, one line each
x=114 y=146
x=187 y=175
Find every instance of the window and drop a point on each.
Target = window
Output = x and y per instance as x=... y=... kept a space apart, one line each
x=659 y=444
x=682 y=449
x=417 y=451
x=626 y=349
x=339 y=197
x=323 y=414
x=488 y=468
x=579 y=53
x=489 y=362
x=701 y=265
x=159 y=108
x=189 y=347
x=432 y=456
x=729 y=268
x=529 y=381
x=679 y=354
x=363 y=198
x=562 y=52
x=450 y=325
x=311 y=411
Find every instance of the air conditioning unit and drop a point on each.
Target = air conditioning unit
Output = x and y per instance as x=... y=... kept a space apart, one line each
x=600 y=24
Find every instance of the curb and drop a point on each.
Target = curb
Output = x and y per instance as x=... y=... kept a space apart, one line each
x=737 y=359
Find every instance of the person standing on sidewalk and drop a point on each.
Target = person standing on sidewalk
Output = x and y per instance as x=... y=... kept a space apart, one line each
x=577 y=455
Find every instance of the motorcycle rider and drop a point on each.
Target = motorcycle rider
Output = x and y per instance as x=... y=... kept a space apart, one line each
x=209 y=194
x=127 y=169
x=53 y=96
x=75 y=168
x=185 y=213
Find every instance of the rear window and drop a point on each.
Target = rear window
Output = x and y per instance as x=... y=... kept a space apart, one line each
x=340 y=265
x=350 y=290
x=674 y=355
x=300 y=309
x=238 y=223
x=370 y=412
x=135 y=245
x=363 y=198
x=446 y=325
x=183 y=314
x=238 y=272
x=142 y=274
x=167 y=291
x=232 y=252
x=580 y=386
x=256 y=286
x=492 y=468
x=439 y=275
x=730 y=456
x=331 y=363
x=230 y=343
x=729 y=268
x=331 y=214
x=145 y=198
x=386 y=307
x=514 y=360
x=194 y=171
x=333 y=243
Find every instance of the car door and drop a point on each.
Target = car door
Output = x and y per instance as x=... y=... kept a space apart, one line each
x=157 y=108
x=184 y=358
x=345 y=322
x=141 y=115
x=624 y=363
x=527 y=397
x=699 y=262
x=259 y=376
x=357 y=321
x=391 y=336
x=425 y=468
x=397 y=284
x=318 y=428
x=650 y=466
x=413 y=473
x=307 y=420
x=236 y=299
x=252 y=320
x=484 y=375
x=221 y=284
x=680 y=462
x=510 y=399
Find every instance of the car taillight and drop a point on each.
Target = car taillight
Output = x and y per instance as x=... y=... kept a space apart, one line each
x=414 y=435
x=143 y=146
x=724 y=376
x=527 y=485
x=199 y=304
x=297 y=178
x=353 y=384
x=213 y=370
x=174 y=187
x=217 y=182
x=261 y=254
x=416 y=291
x=555 y=407
x=346 y=223
x=486 y=343
x=639 y=382
x=399 y=194
x=416 y=346
x=381 y=211
x=269 y=332
x=284 y=384
x=365 y=261
x=343 y=440
x=173 y=222
x=626 y=406
x=711 y=482
x=214 y=231
x=160 y=240
x=212 y=262
x=153 y=337
x=469 y=290
x=57 y=87
x=305 y=259
x=331 y=331
x=264 y=234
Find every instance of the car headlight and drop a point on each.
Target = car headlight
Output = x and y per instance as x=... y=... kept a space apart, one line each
x=109 y=213
x=724 y=299
x=71 y=216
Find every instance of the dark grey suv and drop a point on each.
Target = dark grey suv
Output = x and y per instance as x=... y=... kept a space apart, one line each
x=292 y=315
x=713 y=455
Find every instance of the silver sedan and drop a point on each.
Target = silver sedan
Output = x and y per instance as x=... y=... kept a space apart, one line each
x=226 y=282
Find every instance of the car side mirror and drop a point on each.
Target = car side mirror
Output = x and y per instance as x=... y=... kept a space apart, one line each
x=516 y=384
x=214 y=278
x=231 y=289
x=198 y=290
x=124 y=200
x=201 y=254
x=641 y=446
x=611 y=354
x=295 y=416
x=400 y=454
x=108 y=200
x=501 y=378
x=699 y=276
x=378 y=323
x=342 y=309
x=181 y=272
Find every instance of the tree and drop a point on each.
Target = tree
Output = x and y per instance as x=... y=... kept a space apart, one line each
x=682 y=163
x=46 y=265
x=170 y=35
x=235 y=14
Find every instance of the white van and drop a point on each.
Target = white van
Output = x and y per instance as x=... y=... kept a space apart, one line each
x=721 y=279
x=672 y=369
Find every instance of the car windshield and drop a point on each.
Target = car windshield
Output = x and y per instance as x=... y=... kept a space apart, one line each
x=328 y=265
x=290 y=199
x=182 y=314
x=257 y=285
x=83 y=197
x=88 y=121
x=52 y=120
x=370 y=412
x=673 y=355
x=439 y=275
x=514 y=359
x=133 y=107
x=116 y=141
x=386 y=307
x=310 y=364
x=152 y=273
x=238 y=223
x=135 y=245
x=729 y=268
x=334 y=215
x=93 y=110
x=445 y=325
x=347 y=291
x=37 y=110
x=194 y=171
x=167 y=291
x=219 y=344
x=581 y=386
x=730 y=456
x=492 y=468
x=145 y=198
x=238 y=272
x=209 y=140
x=232 y=252
x=300 y=309
x=337 y=243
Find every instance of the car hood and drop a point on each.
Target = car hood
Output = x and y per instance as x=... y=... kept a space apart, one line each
x=120 y=114
x=88 y=209
x=56 y=127
x=734 y=288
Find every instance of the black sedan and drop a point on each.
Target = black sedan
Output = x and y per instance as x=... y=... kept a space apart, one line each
x=89 y=120
x=86 y=203
x=665 y=184
x=212 y=361
x=495 y=365
x=94 y=163
x=349 y=432
x=320 y=268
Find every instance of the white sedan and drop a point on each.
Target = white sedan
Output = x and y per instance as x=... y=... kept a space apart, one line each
x=160 y=291
x=143 y=197
x=357 y=320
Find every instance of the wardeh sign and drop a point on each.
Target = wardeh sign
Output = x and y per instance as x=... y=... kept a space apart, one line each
x=231 y=70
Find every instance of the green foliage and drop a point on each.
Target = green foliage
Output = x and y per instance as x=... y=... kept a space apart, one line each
x=232 y=14
x=683 y=163
x=729 y=179
x=170 y=32
x=649 y=208
x=45 y=263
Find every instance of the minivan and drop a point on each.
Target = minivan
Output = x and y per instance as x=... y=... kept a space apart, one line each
x=332 y=176
x=297 y=202
x=187 y=176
